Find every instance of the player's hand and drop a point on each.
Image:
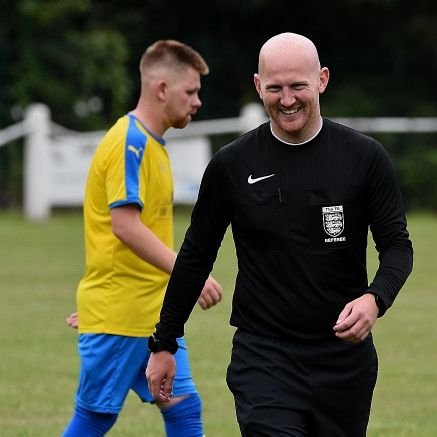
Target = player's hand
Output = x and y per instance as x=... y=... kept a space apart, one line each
x=211 y=295
x=73 y=320
x=357 y=319
x=160 y=373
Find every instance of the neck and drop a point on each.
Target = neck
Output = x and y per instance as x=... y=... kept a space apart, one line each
x=150 y=119
x=299 y=143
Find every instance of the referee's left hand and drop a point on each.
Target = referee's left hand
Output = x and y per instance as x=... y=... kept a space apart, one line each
x=357 y=319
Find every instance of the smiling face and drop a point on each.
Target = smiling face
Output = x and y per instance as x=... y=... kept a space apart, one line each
x=182 y=97
x=289 y=82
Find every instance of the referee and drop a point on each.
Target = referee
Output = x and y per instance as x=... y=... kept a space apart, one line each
x=300 y=193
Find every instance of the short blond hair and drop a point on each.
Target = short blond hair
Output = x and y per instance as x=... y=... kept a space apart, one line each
x=172 y=54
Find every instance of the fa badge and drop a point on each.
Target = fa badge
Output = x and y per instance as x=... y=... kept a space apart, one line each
x=333 y=220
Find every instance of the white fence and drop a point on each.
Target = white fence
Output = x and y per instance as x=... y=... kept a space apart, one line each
x=56 y=159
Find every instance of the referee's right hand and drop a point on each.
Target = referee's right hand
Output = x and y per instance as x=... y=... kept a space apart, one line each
x=160 y=374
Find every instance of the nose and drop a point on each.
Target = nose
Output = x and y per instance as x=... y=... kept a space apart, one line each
x=197 y=102
x=287 y=97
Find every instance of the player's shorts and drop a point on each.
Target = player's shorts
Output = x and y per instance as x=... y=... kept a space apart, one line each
x=302 y=388
x=111 y=365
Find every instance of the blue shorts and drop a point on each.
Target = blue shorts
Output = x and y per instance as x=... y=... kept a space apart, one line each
x=113 y=364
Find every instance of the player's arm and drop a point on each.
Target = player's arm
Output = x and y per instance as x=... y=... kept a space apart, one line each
x=128 y=227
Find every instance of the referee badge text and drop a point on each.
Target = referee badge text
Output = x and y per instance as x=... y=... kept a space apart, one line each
x=333 y=223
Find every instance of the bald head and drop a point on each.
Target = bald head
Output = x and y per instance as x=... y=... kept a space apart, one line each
x=289 y=82
x=291 y=48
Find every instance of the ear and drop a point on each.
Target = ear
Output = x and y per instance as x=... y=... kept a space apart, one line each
x=161 y=89
x=324 y=79
x=257 y=82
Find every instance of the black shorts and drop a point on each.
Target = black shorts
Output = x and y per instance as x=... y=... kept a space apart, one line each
x=302 y=388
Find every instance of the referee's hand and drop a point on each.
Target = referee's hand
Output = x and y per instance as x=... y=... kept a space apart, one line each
x=160 y=373
x=357 y=319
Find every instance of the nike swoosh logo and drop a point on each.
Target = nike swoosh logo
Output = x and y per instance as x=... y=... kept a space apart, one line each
x=251 y=180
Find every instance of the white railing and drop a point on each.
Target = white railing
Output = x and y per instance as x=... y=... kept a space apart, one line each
x=56 y=159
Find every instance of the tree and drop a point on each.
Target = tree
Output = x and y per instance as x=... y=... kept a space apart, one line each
x=73 y=63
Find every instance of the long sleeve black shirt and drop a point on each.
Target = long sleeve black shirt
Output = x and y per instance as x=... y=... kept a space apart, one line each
x=300 y=216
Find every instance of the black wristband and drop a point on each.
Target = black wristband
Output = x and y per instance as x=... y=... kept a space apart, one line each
x=157 y=345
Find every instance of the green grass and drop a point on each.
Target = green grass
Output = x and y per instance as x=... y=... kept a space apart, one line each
x=40 y=265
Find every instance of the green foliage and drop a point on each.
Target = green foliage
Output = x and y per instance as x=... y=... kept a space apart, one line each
x=418 y=170
x=40 y=265
x=83 y=48
x=76 y=67
x=415 y=159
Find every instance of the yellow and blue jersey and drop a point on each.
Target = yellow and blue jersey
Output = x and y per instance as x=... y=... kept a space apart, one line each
x=120 y=293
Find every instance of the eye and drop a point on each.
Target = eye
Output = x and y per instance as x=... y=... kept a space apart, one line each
x=192 y=92
x=273 y=88
x=299 y=86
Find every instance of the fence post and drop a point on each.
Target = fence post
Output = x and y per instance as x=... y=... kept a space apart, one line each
x=252 y=115
x=37 y=162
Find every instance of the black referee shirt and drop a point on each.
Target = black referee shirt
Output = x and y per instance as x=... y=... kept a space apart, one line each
x=300 y=216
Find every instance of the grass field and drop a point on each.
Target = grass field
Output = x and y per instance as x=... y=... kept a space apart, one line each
x=40 y=265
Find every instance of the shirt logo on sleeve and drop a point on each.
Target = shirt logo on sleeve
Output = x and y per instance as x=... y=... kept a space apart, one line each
x=251 y=180
x=333 y=222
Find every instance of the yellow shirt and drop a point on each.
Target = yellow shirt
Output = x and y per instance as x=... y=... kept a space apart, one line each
x=120 y=293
